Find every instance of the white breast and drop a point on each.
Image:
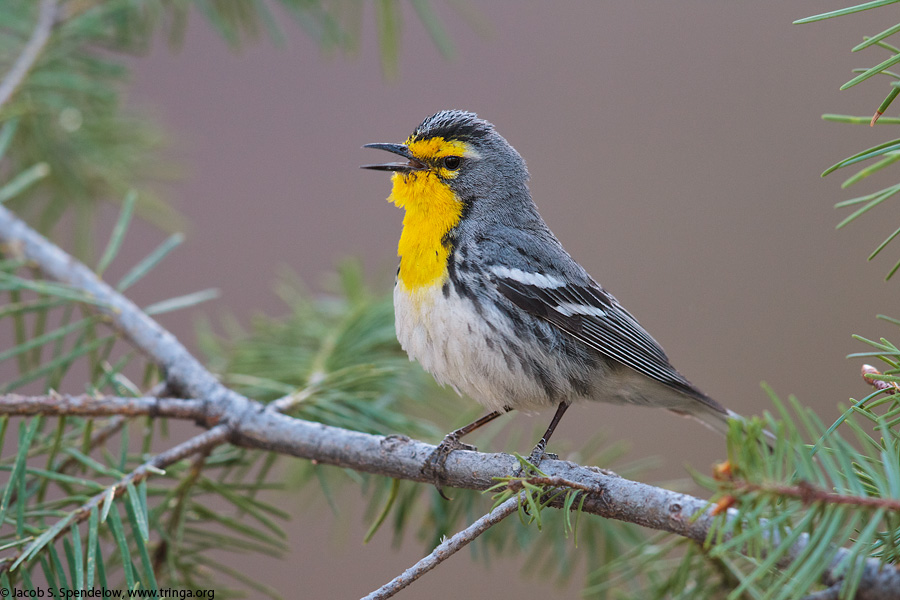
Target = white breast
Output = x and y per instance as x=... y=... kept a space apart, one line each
x=454 y=343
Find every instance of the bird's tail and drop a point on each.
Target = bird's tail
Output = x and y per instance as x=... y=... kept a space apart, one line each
x=718 y=421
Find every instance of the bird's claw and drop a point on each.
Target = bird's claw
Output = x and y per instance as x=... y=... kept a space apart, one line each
x=534 y=460
x=435 y=466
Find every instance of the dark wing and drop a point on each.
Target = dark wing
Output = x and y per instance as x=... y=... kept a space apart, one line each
x=591 y=315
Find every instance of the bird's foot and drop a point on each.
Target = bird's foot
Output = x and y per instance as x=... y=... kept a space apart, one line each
x=435 y=466
x=534 y=460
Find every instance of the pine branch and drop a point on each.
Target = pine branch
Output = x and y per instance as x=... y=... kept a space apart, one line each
x=200 y=443
x=98 y=437
x=100 y=406
x=181 y=500
x=809 y=494
x=445 y=550
x=248 y=423
x=31 y=52
x=869 y=373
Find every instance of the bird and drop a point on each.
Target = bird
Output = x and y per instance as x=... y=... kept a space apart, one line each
x=488 y=301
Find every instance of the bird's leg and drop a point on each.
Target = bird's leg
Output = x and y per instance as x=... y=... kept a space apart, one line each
x=537 y=455
x=436 y=464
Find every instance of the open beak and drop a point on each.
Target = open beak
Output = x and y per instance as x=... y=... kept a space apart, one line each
x=411 y=164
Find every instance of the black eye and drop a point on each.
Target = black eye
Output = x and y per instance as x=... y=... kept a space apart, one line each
x=451 y=162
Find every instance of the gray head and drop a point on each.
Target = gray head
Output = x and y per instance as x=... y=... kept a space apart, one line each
x=469 y=156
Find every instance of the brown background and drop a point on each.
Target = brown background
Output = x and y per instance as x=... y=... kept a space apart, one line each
x=674 y=148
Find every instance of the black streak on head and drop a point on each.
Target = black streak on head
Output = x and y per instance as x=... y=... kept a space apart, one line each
x=453 y=125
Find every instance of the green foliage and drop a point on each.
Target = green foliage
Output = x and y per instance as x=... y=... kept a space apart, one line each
x=812 y=502
x=55 y=331
x=663 y=567
x=76 y=146
x=335 y=359
x=160 y=531
x=839 y=500
x=796 y=510
x=884 y=154
x=167 y=527
x=67 y=117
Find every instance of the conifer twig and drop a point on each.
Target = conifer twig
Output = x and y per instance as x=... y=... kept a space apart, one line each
x=445 y=550
x=199 y=443
x=888 y=387
x=31 y=52
x=808 y=494
x=99 y=436
x=85 y=405
x=829 y=593
x=178 y=510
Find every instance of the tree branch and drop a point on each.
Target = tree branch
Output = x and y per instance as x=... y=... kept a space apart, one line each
x=30 y=52
x=889 y=387
x=251 y=424
x=809 y=493
x=445 y=550
x=101 y=406
x=613 y=497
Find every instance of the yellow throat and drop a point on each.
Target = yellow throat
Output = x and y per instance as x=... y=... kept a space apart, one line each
x=432 y=210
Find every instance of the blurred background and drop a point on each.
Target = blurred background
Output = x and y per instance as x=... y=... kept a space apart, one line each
x=674 y=148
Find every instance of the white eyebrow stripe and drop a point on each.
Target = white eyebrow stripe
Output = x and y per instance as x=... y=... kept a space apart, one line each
x=535 y=279
x=568 y=309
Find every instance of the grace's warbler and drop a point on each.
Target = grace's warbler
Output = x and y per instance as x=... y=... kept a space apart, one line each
x=488 y=301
